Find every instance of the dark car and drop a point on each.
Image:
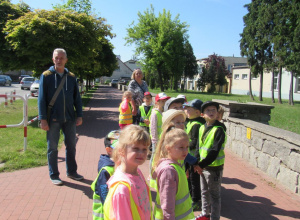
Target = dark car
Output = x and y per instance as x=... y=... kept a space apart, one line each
x=5 y=80
x=114 y=82
x=26 y=82
x=22 y=76
x=124 y=80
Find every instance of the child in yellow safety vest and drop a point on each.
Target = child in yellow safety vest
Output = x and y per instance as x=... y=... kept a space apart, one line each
x=105 y=171
x=125 y=109
x=193 y=123
x=212 y=139
x=173 y=200
x=129 y=195
x=144 y=112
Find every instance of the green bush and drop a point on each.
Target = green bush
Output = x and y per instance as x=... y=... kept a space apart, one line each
x=107 y=82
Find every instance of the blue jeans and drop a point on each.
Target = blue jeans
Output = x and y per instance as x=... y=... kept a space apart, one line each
x=69 y=130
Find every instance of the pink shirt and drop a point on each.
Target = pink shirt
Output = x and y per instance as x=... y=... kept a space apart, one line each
x=121 y=197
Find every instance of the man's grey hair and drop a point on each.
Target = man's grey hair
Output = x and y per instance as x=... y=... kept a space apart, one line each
x=60 y=50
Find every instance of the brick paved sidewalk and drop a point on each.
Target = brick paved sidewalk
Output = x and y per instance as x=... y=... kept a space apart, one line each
x=28 y=194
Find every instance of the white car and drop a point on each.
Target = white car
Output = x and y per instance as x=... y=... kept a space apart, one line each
x=26 y=82
x=34 y=88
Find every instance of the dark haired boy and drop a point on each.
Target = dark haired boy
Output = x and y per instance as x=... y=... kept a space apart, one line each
x=212 y=139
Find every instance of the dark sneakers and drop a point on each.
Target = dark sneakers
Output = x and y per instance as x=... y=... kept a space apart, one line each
x=75 y=176
x=56 y=181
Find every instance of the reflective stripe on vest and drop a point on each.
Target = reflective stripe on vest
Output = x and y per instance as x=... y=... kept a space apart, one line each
x=125 y=117
x=205 y=147
x=159 y=122
x=97 y=205
x=144 y=116
x=183 y=203
x=188 y=129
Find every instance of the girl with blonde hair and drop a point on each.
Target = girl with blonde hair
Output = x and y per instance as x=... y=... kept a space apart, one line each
x=129 y=195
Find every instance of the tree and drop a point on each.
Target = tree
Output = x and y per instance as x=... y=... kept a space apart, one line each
x=158 y=41
x=33 y=37
x=80 y=6
x=8 y=11
x=190 y=66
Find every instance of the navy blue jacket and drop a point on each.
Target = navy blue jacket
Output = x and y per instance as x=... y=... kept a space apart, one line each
x=68 y=98
x=101 y=188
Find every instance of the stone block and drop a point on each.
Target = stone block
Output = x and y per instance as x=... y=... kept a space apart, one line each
x=245 y=151
x=294 y=162
x=238 y=133
x=257 y=142
x=263 y=161
x=253 y=156
x=283 y=153
x=232 y=130
x=269 y=147
x=288 y=178
x=274 y=167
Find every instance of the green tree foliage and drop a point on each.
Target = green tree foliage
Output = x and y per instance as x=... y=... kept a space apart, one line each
x=190 y=65
x=34 y=36
x=8 y=11
x=81 y=6
x=159 y=41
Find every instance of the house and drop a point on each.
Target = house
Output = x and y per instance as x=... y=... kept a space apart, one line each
x=230 y=62
x=240 y=83
x=124 y=69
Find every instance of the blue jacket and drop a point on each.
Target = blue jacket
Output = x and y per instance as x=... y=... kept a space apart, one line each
x=101 y=188
x=68 y=98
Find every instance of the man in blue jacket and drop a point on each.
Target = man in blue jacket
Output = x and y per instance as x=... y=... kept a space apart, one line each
x=62 y=115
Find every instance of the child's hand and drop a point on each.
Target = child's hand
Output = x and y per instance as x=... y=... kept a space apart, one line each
x=146 y=121
x=187 y=173
x=198 y=169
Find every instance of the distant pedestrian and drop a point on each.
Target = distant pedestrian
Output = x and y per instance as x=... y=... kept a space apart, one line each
x=138 y=87
x=60 y=115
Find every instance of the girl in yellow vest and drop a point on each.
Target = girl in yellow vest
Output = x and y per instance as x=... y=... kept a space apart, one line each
x=173 y=200
x=125 y=109
x=129 y=195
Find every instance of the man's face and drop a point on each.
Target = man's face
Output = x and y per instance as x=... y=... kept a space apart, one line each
x=59 y=59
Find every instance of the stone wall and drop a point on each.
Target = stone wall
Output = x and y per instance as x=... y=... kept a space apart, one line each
x=274 y=151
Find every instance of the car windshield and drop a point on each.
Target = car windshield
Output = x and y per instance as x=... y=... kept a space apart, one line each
x=28 y=79
x=2 y=77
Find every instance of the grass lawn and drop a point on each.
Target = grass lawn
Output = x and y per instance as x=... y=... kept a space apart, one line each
x=12 y=139
x=283 y=116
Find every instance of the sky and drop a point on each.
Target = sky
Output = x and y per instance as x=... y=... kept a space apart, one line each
x=214 y=25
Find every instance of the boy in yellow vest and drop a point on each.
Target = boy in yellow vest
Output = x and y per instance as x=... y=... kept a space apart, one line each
x=144 y=112
x=193 y=123
x=212 y=139
x=105 y=171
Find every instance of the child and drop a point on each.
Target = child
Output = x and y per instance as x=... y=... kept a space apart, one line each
x=125 y=109
x=220 y=113
x=193 y=123
x=173 y=198
x=174 y=103
x=105 y=171
x=178 y=117
x=212 y=138
x=129 y=195
x=144 y=112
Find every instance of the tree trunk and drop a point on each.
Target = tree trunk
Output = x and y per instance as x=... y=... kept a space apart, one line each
x=250 y=86
x=272 y=86
x=291 y=98
x=279 y=85
x=160 y=77
x=261 y=86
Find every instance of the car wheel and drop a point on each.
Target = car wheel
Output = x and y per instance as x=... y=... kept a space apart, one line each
x=22 y=88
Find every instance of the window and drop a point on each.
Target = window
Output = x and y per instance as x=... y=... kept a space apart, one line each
x=298 y=84
x=275 y=81
x=244 y=76
x=236 y=76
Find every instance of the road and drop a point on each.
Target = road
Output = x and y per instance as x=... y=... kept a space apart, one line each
x=9 y=89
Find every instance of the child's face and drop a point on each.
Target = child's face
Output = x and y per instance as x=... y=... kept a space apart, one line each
x=192 y=112
x=176 y=105
x=136 y=155
x=179 y=150
x=129 y=98
x=179 y=121
x=161 y=103
x=210 y=114
x=147 y=100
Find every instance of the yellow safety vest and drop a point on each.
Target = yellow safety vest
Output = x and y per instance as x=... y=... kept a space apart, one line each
x=108 y=212
x=183 y=203
x=204 y=147
x=144 y=116
x=97 y=205
x=125 y=117
x=188 y=129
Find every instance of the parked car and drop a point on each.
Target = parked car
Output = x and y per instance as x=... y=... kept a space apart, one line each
x=22 y=76
x=34 y=88
x=26 y=82
x=124 y=80
x=114 y=82
x=6 y=80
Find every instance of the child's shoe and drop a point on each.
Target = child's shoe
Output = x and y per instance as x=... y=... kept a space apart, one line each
x=202 y=217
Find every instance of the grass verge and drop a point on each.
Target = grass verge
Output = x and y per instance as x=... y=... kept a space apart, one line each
x=283 y=116
x=12 y=154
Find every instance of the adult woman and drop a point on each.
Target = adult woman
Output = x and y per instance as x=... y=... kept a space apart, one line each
x=138 y=87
